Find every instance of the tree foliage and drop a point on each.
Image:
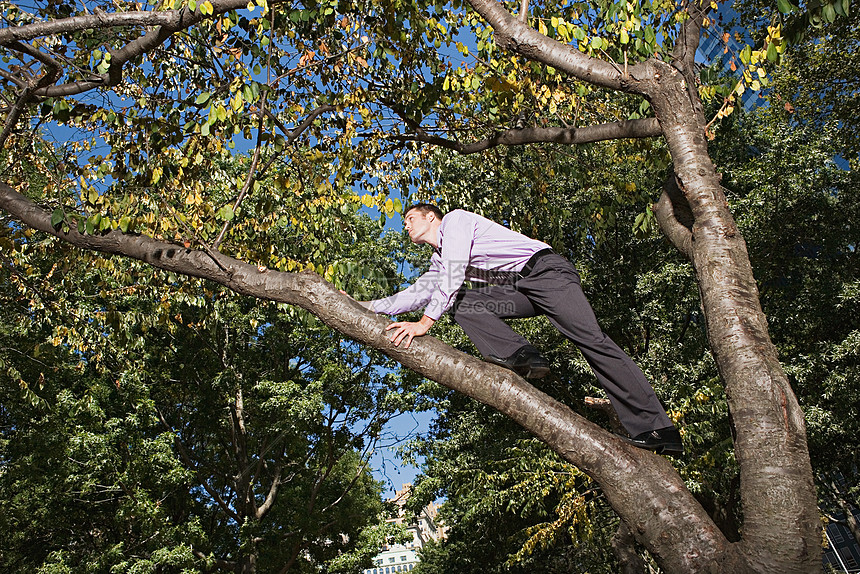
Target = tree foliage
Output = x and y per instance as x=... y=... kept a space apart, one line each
x=330 y=102
x=154 y=423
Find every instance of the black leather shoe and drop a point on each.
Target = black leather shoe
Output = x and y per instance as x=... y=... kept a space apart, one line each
x=666 y=440
x=527 y=362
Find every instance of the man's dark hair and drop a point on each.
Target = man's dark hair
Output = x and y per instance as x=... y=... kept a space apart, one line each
x=425 y=208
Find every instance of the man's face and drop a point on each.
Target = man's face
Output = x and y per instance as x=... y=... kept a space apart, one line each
x=419 y=225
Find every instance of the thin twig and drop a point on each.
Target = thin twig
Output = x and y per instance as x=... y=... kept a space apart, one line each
x=249 y=180
x=192 y=233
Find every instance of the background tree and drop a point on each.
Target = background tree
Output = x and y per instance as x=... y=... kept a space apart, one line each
x=151 y=423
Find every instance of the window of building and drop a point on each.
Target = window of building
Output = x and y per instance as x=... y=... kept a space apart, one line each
x=391 y=560
x=403 y=558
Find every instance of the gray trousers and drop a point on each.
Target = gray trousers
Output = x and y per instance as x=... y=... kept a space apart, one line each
x=552 y=288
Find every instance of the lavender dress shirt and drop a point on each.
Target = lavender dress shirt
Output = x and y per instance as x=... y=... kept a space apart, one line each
x=470 y=247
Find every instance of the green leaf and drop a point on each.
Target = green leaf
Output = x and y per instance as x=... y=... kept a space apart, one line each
x=226 y=213
x=57 y=217
x=203 y=98
x=772 y=54
x=784 y=6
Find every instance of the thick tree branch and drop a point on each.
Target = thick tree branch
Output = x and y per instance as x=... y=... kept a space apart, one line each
x=271 y=496
x=14 y=115
x=50 y=75
x=515 y=35
x=15 y=80
x=179 y=20
x=624 y=547
x=524 y=11
x=244 y=488
x=643 y=488
x=675 y=217
x=53 y=65
x=91 y=21
x=641 y=128
x=684 y=53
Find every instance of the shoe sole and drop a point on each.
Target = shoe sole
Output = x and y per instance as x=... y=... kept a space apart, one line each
x=538 y=373
x=670 y=449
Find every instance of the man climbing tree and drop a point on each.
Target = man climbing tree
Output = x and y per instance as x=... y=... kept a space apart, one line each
x=526 y=279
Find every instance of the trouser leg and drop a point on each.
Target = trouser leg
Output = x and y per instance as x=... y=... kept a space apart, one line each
x=553 y=288
x=479 y=312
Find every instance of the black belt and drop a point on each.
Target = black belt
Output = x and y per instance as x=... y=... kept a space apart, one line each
x=530 y=264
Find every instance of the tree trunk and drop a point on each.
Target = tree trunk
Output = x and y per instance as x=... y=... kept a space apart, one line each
x=781 y=530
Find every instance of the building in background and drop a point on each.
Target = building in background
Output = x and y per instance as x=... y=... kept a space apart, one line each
x=403 y=557
x=722 y=42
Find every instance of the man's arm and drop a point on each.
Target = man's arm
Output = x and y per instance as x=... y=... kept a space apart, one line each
x=452 y=262
x=413 y=297
x=450 y=267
